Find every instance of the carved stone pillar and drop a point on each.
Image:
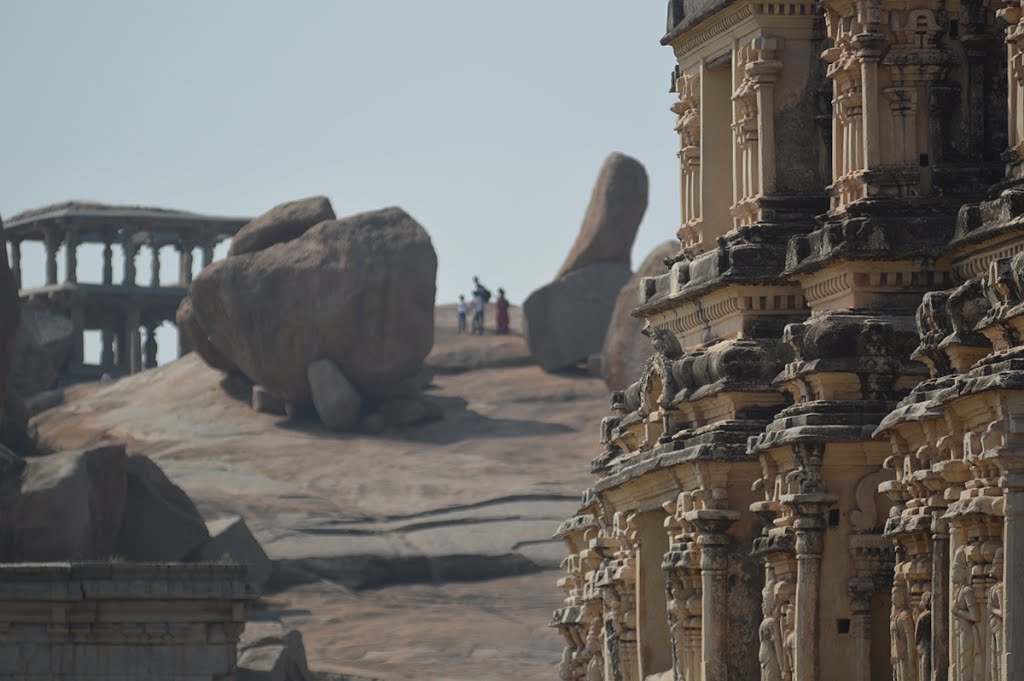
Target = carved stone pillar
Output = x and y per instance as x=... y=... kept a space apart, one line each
x=940 y=598
x=764 y=73
x=131 y=249
x=71 y=256
x=108 y=264
x=150 y=347
x=616 y=580
x=133 y=339
x=861 y=591
x=1012 y=482
x=52 y=242
x=809 y=509
x=207 y=254
x=711 y=526
x=154 y=266
x=185 y=273
x=685 y=601
x=78 y=337
x=107 y=349
x=16 y=261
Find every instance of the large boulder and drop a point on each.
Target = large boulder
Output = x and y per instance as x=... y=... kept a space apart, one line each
x=281 y=223
x=566 y=321
x=10 y=317
x=617 y=206
x=41 y=351
x=197 y=340
x=160 y=522
x=69 y=507
x=337 y=402
x=625 y=348
x=359 y=291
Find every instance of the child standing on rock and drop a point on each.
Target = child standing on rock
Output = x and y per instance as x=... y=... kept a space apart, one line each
x=462 y=314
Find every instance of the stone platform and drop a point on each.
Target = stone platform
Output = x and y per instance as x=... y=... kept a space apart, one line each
x=120 y=622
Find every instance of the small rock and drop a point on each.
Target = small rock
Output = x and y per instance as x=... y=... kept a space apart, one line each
x=230 y=537
x=266 y=402
x=281 y=223
x=566 y=321
x=405 y=411
x=337 y=402
x=268 y=651
x=160 y=522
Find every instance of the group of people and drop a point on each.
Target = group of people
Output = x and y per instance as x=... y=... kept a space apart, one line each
x=481 y=296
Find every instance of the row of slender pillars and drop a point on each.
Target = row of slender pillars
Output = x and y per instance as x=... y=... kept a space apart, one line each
x=130 y=250
x=127 y=349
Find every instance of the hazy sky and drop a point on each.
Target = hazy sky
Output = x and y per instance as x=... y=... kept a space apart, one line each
x=486 y=121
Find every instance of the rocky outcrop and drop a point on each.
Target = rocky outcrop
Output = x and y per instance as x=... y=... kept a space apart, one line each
x=281 y=223
x=65 y=506
x=10 y=317
x=617 y=206
x=358 y=291
x=160 y=522
x=566 y=321
x=625 y=348
x=93 y=504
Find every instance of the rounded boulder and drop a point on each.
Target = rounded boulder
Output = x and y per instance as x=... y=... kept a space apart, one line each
x=358 y=291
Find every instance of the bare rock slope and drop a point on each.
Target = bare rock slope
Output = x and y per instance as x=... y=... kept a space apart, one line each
x=422 y=552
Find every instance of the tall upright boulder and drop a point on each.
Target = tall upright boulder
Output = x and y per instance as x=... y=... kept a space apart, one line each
x=10 y=317
x=625 y=347
x=358 y=291
x=617 y=205
x=565 y=322
x=281 y=223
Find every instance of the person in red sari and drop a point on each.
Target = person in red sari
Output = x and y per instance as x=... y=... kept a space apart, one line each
x=501 y=320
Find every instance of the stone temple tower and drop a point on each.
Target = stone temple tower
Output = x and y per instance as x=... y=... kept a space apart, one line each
x=819 y=473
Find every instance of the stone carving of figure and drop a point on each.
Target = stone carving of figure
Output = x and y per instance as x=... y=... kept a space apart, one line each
x=693 y=645
x=770 y=636
x=923 y=638
x=677 y=616
x=902 y=646
x=565 y=667
x=595 y=653
x=966 y=619
x=995 y=619
x=789 y=642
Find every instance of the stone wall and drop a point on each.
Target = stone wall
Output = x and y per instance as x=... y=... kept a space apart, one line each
x=120 y=622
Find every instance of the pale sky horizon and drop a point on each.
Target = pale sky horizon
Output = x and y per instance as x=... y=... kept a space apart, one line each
x=487 y=124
